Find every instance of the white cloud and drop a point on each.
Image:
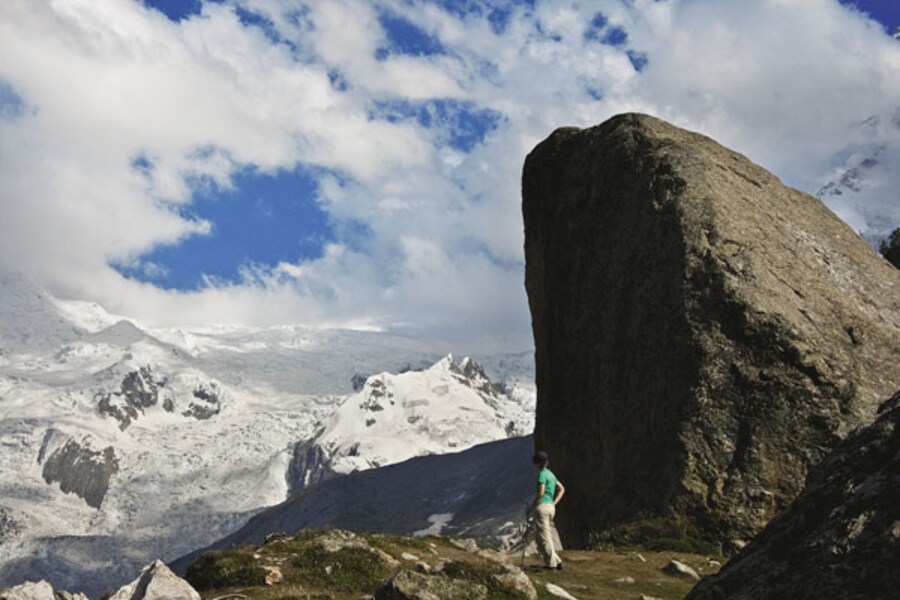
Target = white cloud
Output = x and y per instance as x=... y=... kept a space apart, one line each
x=428 y=236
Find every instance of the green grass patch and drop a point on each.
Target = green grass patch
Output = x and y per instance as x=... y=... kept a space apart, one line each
x=347 y=570
x=218 y=568
x=385 y=541
x=658 y=534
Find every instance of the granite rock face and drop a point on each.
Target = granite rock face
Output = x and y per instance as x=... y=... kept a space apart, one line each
x=703 y=333
x=839 y=539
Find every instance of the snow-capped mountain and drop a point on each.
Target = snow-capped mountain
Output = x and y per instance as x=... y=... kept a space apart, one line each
x=121 y=444
x=446 y=408
x=862 y=185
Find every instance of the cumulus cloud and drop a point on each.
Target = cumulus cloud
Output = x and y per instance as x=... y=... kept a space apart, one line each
x=111 y=114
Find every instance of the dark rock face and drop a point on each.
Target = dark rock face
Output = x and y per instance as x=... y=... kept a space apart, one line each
x=309 y=466
x=207 y=403
x=839 y=539
x=890 y=248
x=8 y=526
x=703 y=333
x=138 y=391
x=79 y=469
x=145 y=388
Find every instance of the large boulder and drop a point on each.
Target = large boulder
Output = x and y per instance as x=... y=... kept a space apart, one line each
x=839 y=539
x=703 y=333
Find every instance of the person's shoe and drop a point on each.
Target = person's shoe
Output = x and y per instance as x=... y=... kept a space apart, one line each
x=559 y=567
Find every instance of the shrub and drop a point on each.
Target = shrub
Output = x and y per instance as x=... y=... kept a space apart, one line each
x=220 y=569
x=658 y=534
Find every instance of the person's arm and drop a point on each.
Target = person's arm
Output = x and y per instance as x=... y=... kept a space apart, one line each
x=537 y=497
x=560 y=490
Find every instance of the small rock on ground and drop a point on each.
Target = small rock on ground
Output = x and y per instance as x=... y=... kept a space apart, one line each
x=515 y=578
x=274 y=575
x=624 y=580
x=467 y=544
x=423 y=567
x=386 y=558
x=679 y=569
x=559 y=592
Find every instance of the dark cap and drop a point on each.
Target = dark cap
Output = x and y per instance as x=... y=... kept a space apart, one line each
x=540 y=457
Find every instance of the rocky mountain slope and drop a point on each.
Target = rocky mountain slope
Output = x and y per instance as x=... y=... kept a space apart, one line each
x=716 y=332
x=840 y=538
x=479 y=492
x=121 y=444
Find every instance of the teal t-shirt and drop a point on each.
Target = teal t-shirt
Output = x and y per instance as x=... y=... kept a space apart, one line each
x=547 y=477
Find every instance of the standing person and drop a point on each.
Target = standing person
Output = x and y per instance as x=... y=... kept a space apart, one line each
x=543 y=508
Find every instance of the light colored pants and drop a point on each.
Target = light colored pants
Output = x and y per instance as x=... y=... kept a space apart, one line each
x=544 y=518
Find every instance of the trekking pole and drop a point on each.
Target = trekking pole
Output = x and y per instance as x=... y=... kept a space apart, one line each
x=525 y=541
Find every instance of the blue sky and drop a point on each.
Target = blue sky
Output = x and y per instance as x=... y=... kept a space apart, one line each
x=263 y=219
x=886 y=12
x=356 y=163
x=258 y=219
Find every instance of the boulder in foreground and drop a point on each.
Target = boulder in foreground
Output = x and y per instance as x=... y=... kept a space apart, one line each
x=703 y=333
x=840 y=539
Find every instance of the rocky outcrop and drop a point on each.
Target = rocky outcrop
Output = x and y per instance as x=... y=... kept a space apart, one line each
x=309 y=464
x=157 y=582
x=704 y=334
x=29 y=590
x=79 y=468
x=138 y=391
x=40 y=590
x=145 y=388
x=410 y=585
x=839 y=539
x=206 y=403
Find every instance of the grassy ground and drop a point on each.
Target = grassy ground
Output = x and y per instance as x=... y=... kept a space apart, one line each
x=311 y=572
x=592 y=575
